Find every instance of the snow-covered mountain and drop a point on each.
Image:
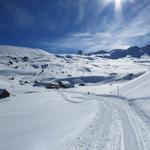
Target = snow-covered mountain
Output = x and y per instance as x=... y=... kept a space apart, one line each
x=135 y=52
x=43 y=66
x=21 y=51
x=110 y=111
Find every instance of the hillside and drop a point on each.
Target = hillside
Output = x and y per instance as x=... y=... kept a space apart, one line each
x=134 y=52
x=138 y=87
x=21 y=51
x=91 y=115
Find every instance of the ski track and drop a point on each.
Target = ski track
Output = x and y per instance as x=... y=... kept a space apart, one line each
x=116 y=126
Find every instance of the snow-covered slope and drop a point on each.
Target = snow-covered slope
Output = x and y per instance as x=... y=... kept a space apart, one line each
x=42 y=120
x=92 y=117
x=45 y=66
x=122 y=122
x=138 y=94
x=139 y=87
x=135 y=52
x=21 y=51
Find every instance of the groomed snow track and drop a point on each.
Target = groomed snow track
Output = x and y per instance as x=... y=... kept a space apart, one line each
x=116 y=126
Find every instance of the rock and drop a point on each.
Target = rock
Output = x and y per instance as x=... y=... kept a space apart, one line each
x=79 y=52
x=37 y=81
x=11 y=78
x=44 y=66
x=16 y=67
x=21 y=82
x=24 y=82
x=88 y=93
x=113 y=74
x=10 y=63
x=82 y=84
x=4 y=93
x=69 y=75
x=25 y=59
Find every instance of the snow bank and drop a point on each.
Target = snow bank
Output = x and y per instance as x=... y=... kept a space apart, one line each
x=137 y=88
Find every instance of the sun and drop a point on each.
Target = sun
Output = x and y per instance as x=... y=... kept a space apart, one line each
x=118 y=5
x=118 y=9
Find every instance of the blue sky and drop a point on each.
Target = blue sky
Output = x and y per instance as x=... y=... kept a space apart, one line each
x=70 y=25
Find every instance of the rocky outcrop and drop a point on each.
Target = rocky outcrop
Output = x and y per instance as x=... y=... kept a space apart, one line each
x=4 y=93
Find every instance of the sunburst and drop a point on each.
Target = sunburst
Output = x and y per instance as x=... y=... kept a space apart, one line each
x=118 y=9
x=118 y=5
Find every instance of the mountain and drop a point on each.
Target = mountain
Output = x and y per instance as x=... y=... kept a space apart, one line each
x=99 y=52
x=76 y=69
x=16 y=51
x=135 y=52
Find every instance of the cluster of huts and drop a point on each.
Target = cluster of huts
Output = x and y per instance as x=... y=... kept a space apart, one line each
x=54 y=84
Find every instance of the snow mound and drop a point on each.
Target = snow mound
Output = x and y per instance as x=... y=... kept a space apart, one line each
x=21 y=51
x=138 y=93
x=138 y=87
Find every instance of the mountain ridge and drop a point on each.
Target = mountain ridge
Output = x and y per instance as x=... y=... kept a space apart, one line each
x=17 y=51
x=134 y=51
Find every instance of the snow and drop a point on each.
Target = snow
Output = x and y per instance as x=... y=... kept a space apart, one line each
x=36 y=121
x=138 y=92
x=21 y=51
x=138 y=87
x=90 y=117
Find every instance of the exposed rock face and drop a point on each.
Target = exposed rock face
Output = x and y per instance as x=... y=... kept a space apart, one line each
x=4 y=93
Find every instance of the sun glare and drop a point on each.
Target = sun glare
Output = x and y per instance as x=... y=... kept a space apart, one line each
x=118 y=5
